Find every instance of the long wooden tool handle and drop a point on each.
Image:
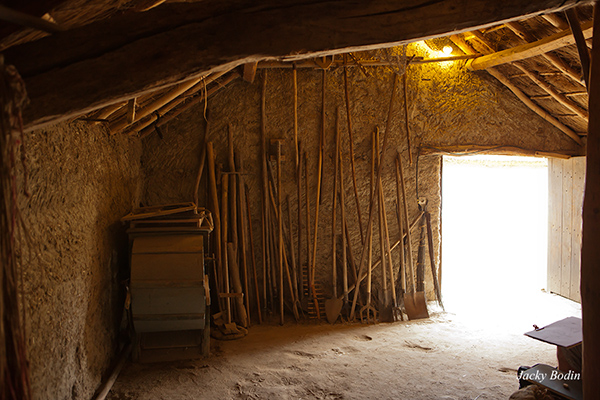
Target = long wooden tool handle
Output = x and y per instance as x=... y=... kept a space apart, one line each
x=236 y=282
x=375 y=265
x=299 y=198
x=402 y=268
x=374 y=157
x=388 y=127
x=280 y=233
x=434 y=273
x=333 y=207
x=344 y=227
x=291 y=244
x=224 y=223
x=308 y=239
x=351 y=142
x=254 y=273
x=319 y=181
x=409 y=270
x=388 y=249
x=201 y=167
x=241 y=210
x=295 y=84
x=214 y=207
x=404 y=86
x=381 y=230
x=265 y=196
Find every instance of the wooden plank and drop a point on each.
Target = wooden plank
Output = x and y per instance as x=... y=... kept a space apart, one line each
x=564 y=333
x=577 y=207
x=545 y=45
x=149 y=212
x=554 y=224
x=67 y=77
x=567 y=221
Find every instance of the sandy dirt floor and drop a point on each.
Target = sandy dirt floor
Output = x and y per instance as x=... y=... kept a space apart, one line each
x=465 y=355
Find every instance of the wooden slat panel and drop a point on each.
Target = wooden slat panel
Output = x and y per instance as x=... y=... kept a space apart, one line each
x=167 y=267
x=168 y=244
x=162 y=301
x=577 y=207
x=567 y=214
x=554 y=223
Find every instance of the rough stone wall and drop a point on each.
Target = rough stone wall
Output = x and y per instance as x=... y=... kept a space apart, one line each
x=81 y=182
x=447 y=105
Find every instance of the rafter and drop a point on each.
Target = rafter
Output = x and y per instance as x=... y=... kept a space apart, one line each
x=559 y=97
x=550 y=43
x=466 y=48
x=555 y=60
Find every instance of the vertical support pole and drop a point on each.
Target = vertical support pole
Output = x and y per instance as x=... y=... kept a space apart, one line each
x=590 y=253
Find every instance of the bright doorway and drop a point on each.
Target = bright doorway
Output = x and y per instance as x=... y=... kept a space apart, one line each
x=494 y=233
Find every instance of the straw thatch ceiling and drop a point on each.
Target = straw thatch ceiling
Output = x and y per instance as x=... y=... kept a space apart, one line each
x=536 y=57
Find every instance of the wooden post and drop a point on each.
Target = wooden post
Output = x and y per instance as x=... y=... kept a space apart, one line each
x=590 y=252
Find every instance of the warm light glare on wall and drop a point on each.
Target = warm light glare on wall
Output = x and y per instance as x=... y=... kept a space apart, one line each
x=447 y=50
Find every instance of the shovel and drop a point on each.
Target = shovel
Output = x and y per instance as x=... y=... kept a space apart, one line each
x=415 y=303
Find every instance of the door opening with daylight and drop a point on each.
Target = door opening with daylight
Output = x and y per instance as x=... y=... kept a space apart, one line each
x=494 y=231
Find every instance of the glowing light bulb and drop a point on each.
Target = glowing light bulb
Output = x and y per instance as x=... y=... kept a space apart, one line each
x=447 y=50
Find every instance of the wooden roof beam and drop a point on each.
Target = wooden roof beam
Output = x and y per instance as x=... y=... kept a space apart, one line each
x=173 y=42
x=555 y=60
x=466 y=48
x=550 y=43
